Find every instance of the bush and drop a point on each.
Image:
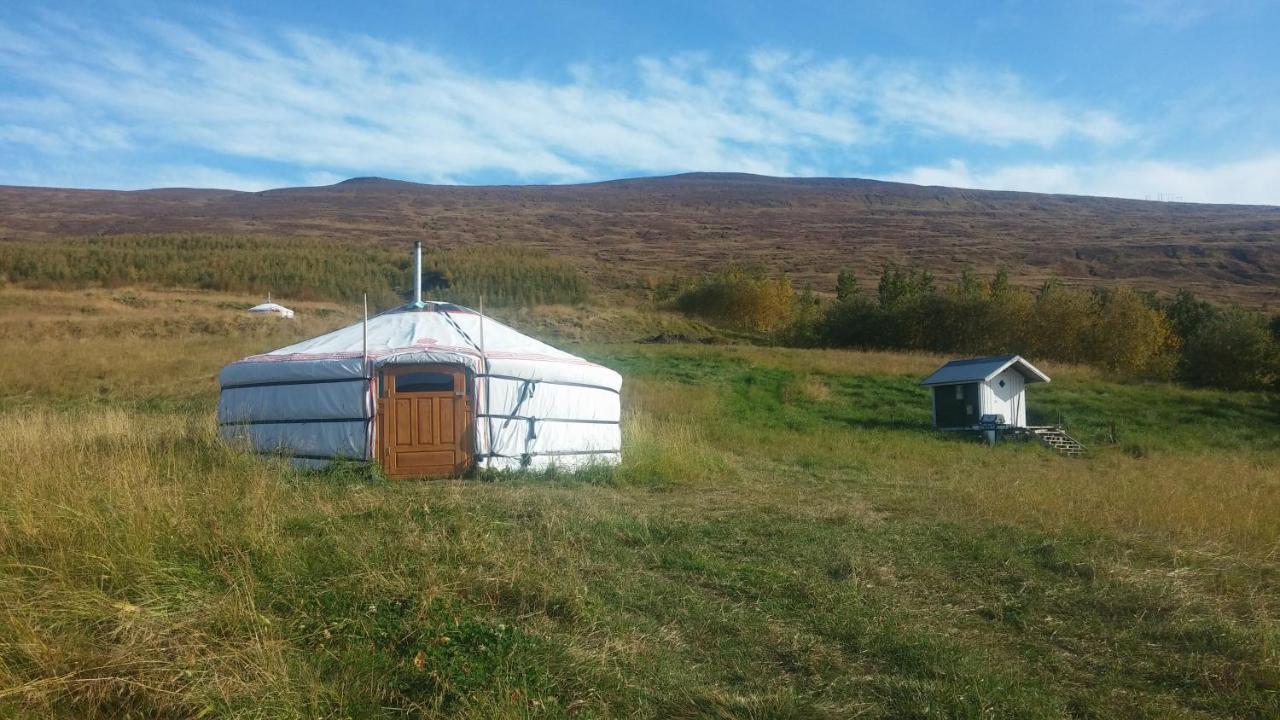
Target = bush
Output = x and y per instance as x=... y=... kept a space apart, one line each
x=1126 y=334
x=1119 y=330
x=1235 y=350
x=741 y=299
x=1061 y=324
x=846 y=284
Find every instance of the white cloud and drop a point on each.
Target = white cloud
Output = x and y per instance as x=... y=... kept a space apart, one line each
x=1251 y=180
x=66 y=140
x=55 y=174
x=994 y=109
x=202 y=176
x=359 y=106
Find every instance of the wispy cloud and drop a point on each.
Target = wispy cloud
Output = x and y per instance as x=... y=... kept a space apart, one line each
x=991 y=108
x=1251 y=180
x=1177 y=14
x=329 y=107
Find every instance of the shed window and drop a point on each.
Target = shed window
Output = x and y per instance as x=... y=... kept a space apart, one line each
x=959 y=392
x=424 y=382
x=1001 y=383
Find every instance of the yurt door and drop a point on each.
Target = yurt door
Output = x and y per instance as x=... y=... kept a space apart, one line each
x=425 y=421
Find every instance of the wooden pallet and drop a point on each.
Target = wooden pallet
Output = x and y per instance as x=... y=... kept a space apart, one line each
x=1058 y=439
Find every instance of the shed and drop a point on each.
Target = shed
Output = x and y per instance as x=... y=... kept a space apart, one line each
x=966 y=390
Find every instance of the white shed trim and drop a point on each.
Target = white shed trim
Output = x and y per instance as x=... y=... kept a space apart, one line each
x=1001 y=390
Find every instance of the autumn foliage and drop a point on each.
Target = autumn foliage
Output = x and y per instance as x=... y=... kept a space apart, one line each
x=1122 y=331
x=743 y=299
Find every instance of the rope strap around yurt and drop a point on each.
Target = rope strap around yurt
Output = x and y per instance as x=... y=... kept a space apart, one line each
x=462 y=332
x=527 y=388
x=526 y=392
x=484 y=373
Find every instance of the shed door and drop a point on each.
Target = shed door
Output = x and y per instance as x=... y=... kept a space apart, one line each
x=956 y=406
x=425 y=421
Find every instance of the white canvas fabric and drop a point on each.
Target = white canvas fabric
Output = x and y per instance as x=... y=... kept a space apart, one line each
x=270 y=308
x=535 y=405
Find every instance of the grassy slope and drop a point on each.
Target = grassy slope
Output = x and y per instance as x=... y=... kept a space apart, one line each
x=785 y=539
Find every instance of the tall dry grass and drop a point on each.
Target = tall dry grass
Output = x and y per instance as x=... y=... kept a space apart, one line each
x=1206 y=503
x=665 y=437
x=136 y=344
x=105 y=516
x=1209 y=503
x=146 y=569
x=149 y=570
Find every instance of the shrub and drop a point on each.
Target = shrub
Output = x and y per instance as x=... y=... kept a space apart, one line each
x=1126 y=334
x=742 y=299
x=846 y=284
x=1062 y=323
x=1187 y=314
x=1120 y=330
x=856 y=321
x=1235 y=350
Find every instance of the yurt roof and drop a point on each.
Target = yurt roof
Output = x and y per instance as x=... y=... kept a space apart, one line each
x=982 y=370
x=434 y=332
x=269 y=307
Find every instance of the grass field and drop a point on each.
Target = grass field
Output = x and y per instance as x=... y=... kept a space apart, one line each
x=785 y=539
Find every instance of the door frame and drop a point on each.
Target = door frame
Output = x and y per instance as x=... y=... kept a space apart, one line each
x=384 y=391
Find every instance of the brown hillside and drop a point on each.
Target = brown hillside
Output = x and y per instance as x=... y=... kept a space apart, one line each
x=625 y=230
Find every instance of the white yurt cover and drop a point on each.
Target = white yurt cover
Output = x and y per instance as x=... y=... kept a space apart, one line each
x=270 y=308
x=535 y=405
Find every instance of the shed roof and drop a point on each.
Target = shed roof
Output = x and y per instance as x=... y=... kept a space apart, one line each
x=983 y=369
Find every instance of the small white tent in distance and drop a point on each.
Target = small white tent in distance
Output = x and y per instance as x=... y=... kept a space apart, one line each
x=427 y=389
x=270 y=308
x=966 y=391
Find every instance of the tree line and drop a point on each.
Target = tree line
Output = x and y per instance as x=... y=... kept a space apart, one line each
x=293 y=268
x=1121 y=330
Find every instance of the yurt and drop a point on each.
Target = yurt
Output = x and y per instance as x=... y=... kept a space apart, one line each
x=270 y=308
x=427 y=389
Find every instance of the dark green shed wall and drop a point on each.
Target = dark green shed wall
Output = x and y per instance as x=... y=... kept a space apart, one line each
x=956 y=406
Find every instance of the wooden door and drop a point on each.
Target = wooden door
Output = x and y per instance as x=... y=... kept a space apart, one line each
x=425 y=421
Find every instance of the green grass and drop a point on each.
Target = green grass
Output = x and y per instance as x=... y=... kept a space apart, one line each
x=1150 y=416
x=786 y=538
x=1162 y=416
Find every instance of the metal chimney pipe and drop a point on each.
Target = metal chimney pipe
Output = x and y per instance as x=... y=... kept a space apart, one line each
x=417 y=273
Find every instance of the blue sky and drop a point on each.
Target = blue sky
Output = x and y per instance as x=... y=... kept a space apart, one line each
x=1131 y=98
